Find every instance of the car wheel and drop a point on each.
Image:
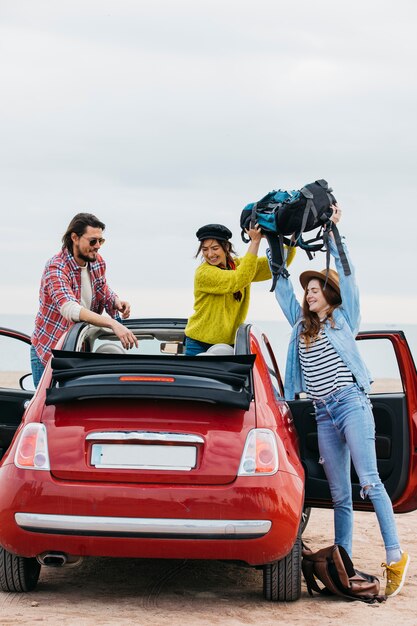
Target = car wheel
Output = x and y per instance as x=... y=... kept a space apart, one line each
x=305 y=516
x=282 y=579
x=18 y=573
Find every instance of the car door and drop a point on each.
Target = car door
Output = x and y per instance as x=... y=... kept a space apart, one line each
x=394 y=400
x=14 y=363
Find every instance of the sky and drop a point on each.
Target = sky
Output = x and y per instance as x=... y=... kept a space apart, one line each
x=160 y=116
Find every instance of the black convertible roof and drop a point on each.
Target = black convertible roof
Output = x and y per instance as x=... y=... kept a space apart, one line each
x=217 y=379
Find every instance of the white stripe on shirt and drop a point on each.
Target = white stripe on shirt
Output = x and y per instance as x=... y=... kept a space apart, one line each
x=71 y=310
x=323 y=369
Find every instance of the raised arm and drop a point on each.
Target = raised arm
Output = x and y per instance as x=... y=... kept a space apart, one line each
x=348 y=288
x=211 y=279
x=284 y=293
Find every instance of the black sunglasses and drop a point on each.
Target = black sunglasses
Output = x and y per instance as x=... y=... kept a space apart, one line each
x=94 y=240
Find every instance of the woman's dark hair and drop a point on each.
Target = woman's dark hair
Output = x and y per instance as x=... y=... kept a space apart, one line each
x=227 y=247
x=312 y=323
x=78 y=225
x=230 y=264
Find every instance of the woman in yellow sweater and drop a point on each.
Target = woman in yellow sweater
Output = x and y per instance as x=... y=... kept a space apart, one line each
x=222 y=287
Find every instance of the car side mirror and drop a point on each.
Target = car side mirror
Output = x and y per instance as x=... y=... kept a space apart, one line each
x=26 y=382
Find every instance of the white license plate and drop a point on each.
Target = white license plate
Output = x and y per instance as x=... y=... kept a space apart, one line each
x=139 y=456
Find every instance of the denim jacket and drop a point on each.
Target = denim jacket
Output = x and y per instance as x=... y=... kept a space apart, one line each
x=341 y=336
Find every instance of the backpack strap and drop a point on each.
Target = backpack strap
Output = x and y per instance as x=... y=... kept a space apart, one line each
x=253 y=219
x=325 y=237
x=308 y=207
x=311 y=581
x=316 y=566
x=249 y=222
x=309 y=246
x=277 y=257
x=342 y=254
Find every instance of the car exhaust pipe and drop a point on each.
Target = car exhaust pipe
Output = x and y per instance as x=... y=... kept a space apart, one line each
x=52 y=559
x=58 y=559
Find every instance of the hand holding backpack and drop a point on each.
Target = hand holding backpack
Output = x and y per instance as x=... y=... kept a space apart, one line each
x=281 y=214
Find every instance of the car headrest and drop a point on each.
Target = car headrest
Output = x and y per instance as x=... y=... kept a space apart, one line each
x=218 y=349
x=110 y=348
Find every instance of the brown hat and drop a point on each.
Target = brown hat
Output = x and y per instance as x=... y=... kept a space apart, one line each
x=332 y=278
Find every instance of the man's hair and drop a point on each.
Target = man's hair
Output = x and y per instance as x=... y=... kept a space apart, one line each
x=78 y=225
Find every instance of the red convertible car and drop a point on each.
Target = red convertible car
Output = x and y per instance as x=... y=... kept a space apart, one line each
x=155 y=454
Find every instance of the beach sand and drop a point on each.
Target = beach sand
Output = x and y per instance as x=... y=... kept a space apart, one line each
x=158 y=593
x=167 y=593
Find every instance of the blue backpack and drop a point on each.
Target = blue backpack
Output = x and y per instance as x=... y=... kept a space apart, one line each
x=283 y=214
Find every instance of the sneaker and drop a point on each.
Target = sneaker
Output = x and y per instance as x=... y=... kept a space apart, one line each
x=396 y=573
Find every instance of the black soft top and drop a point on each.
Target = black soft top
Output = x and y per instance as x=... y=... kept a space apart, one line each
x=217 y=379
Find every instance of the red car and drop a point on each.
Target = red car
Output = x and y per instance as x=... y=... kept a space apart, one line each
x=155 y=454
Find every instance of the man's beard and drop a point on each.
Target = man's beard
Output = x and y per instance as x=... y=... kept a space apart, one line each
x=86 y=258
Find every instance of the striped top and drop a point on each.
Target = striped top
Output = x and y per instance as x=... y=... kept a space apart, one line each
x=323 y=369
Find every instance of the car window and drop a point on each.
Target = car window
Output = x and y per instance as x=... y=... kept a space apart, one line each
x=380 y=358
x=14 y=361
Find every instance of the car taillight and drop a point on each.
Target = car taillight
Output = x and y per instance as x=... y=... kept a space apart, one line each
x=32 y=449
x=260 y=456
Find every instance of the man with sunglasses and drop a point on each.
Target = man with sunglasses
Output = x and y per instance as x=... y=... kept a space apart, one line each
x=74 y=288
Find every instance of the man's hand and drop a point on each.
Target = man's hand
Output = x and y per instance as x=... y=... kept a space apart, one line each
x=127 y=338
x=123 y=307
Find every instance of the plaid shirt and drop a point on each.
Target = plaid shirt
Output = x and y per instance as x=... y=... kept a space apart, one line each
x=61 y=282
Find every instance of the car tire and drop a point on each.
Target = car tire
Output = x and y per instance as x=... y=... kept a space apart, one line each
x=282 y=579
x=305 y=516
x=18 y=573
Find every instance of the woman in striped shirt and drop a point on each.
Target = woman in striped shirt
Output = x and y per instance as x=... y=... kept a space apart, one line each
x=324 y=361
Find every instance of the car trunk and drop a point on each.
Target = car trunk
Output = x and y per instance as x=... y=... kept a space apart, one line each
x=148 y=419
x=146 y=441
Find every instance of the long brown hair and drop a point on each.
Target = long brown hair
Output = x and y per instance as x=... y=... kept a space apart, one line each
x=78 y=225
x=312 y=323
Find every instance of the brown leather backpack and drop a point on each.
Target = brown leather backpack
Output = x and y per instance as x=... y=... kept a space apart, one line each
x=333 y=567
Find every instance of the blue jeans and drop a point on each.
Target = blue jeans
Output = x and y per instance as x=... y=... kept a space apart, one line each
x=193 y=347
x=37 y=367
x=346 y=430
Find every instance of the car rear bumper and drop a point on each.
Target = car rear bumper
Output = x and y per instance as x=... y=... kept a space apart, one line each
x=142 y=527
x=253 y=519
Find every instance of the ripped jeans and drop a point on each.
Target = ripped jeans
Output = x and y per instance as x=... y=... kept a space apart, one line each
x=346 y=430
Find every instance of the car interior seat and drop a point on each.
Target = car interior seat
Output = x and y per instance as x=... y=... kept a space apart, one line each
x=218 y=349
x=110 y=348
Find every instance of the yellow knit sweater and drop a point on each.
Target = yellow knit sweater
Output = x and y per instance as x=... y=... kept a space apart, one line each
x=217 y=315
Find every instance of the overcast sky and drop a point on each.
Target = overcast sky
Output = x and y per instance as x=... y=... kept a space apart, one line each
x=162 y=115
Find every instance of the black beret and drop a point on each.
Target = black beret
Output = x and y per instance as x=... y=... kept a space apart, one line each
x=214 y=231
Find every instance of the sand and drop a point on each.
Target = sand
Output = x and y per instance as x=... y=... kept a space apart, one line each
x=159 y=593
